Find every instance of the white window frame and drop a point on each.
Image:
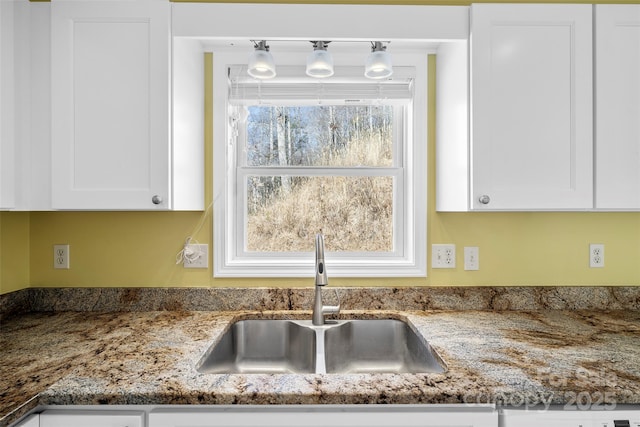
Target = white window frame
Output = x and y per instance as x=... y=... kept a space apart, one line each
x=397 y=171
x=408 y=260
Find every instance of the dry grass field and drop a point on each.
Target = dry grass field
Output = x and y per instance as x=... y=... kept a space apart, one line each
x=355 y=213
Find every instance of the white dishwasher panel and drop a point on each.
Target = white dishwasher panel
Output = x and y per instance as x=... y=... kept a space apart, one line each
x=569 y=418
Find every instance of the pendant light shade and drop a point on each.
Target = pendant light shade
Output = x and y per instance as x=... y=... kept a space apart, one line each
x=378 y=65
x=319 y=62
x=261 y=63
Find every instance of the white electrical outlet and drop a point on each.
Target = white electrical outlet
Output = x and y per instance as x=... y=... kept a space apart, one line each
x=443 y=256
x=471 y=258
x=61 y=256
x=196 y=256
x=596 y=255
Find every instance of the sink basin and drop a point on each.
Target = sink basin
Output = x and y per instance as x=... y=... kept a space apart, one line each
x=262 y=346
x=297 y=346
x=374 y=346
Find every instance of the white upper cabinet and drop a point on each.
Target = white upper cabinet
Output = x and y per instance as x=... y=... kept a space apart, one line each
x=617 y=107
x=531 y=107
x=525 y=140
x=515 y=111
x=111 y=104
x=7 y=107
x=19 y=57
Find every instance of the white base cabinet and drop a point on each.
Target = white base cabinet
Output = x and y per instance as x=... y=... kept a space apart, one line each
x=92 y=418
x=85 y=417
x=328 y=415
x=32 y=420
x=439 y=415
x=423 y=415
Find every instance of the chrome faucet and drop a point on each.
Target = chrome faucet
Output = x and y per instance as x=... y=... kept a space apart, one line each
x=319 y=310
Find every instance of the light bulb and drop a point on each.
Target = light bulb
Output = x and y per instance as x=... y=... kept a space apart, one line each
x=319 y=62
x=261 y=64
x=378 y=65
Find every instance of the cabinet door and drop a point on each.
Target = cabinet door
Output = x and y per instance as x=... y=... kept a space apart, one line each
x=531 y=107
x=84 y=418
x=110 y=104
x=553 y=418
x=32 y=420
x=325 y=415
x=618 y=107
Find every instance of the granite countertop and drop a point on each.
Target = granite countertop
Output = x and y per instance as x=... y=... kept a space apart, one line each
x=148 y=357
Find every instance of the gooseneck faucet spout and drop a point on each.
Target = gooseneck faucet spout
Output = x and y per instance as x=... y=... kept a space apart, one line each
x=321 y=271
x=319 y=310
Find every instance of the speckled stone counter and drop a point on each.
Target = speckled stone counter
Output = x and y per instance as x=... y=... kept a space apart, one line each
x=149 y=357
x=418 y=298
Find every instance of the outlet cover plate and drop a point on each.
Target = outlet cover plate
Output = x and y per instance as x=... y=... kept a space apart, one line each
x=471 y=258
x=443 y=256
x=61 y=257
x=196 y=256
x=596 y=255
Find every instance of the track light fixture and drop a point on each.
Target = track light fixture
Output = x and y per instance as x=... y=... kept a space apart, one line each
x=261 y=63
x=320 y=62
x=378 y=65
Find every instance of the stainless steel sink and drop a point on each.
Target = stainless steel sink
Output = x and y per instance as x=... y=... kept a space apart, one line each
x=374 y=346
x=262 y=346
x=298 y=346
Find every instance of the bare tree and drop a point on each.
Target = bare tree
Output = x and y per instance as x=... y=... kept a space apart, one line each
x=282 y=147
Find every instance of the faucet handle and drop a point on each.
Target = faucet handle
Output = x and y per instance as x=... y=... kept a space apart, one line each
x=332 y=309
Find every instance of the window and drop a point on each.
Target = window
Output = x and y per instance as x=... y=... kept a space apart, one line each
x=296 y=155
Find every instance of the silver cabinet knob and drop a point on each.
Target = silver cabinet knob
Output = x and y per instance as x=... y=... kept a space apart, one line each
x=156 y=199
x=484 y=199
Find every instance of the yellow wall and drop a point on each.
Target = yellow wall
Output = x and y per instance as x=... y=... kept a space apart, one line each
x=139 y=248
x=14 y=251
